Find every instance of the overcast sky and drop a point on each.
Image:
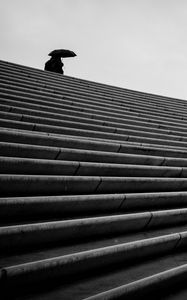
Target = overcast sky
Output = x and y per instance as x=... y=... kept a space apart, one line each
x=135 y=44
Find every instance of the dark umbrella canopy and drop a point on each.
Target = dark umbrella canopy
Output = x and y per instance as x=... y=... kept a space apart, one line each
x=62 y=53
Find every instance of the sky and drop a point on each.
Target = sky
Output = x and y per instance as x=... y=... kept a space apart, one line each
x=135 y=44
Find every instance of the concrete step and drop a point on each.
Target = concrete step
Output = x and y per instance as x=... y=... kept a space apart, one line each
x=93 y=188
x=71 y=142
x=24 y=209
x=82 y=85
x=111 y=276
x=39 y=234
x=12 y=165
x=55 y=153
x=75 y=264
x=98 y=135
x=113 y=102
x=31 y=116
x=149 y=286
x=18 y=80
x=43 y=185
x=83 y=112
x=87 y=98
x=68 y=101
x=61 y=206
x=101 y=128
x=50 y=250
x=99 y=282
x=108 y=90
x=78 y=125
x=98 y=117
x=155 y=128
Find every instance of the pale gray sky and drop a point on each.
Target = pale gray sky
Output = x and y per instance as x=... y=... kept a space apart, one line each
x=136 y=44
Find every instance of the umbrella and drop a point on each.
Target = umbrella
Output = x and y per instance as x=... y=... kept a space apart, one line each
x=62 y=53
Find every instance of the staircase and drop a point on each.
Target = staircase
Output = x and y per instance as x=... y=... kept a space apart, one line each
x=93 y=190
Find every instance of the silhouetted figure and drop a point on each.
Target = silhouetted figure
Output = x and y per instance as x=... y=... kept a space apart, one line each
x=54 y=64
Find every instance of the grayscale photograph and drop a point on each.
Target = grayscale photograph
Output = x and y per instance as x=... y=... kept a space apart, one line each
x=93 y=149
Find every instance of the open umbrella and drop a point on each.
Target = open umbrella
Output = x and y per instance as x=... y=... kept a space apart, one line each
x=62 y=53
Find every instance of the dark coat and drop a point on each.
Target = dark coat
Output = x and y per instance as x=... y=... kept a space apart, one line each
x=54 y=65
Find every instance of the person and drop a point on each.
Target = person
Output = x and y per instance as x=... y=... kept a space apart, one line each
x=54 y=64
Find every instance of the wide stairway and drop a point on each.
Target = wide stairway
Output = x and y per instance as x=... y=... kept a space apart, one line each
x=93 y=190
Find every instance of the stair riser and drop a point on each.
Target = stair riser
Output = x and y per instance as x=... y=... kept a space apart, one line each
x=46 y=167
x=63 y=206
x=33 y=185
